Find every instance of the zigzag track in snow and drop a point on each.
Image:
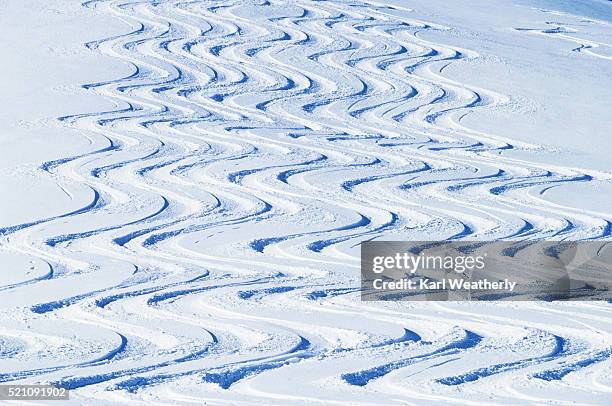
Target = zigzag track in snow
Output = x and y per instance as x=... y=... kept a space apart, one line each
x=252 y=147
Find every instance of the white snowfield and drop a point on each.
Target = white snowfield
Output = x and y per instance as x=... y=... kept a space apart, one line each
x=185 y=185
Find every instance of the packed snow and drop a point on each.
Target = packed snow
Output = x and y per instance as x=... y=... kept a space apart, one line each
x=185 y=185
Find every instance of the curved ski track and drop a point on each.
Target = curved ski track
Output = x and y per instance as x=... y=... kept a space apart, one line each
x=252 y=148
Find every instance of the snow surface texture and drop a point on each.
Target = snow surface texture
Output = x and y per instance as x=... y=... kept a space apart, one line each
x=183 y=196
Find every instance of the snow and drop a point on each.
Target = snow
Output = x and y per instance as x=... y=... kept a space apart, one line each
x=185 y=185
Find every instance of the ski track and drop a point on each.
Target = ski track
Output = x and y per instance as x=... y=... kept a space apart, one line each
x=253 y=147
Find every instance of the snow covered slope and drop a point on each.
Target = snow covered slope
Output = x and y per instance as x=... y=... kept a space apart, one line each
x=185 y=185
